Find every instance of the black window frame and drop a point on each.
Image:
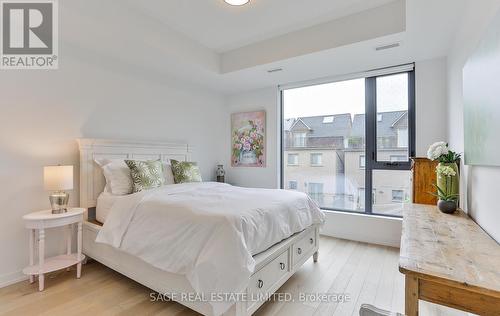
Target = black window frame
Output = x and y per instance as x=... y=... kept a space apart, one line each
x=396 y=160
x=371 y=119
x=371 y=162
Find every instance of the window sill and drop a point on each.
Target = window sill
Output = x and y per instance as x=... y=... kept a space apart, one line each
x=355 y=213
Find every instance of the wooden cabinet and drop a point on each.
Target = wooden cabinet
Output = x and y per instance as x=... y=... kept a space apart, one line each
x=424 y=176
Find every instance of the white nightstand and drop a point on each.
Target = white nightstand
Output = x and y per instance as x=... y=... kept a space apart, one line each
x=45 y=219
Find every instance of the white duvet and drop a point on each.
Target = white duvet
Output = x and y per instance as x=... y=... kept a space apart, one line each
x=207 y=231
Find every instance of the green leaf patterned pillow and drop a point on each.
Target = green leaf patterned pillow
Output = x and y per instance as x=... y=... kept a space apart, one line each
x=185 y=171
x=145 y=174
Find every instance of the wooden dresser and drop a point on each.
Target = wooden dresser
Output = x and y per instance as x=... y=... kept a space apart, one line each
x=448 y=260
x=424 y=175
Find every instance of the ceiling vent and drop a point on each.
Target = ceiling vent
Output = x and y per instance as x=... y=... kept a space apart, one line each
x=275 y=70
x=389 y=46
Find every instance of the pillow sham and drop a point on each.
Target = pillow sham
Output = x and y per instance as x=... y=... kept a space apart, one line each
x=167 y=173
x=146 y=174
x=117 y=175
x=185 y=171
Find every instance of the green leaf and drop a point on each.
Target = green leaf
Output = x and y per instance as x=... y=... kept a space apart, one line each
x=442 y=195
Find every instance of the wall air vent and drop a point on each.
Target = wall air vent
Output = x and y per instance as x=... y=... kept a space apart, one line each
x=384 y=47
x=275 y=70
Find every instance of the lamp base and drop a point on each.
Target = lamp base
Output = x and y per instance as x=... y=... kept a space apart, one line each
x=59 y=202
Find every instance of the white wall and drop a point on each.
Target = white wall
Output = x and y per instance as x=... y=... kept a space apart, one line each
x=263 y=99
x=431 y=96
x=478 y=184
x=370 y=229
x=431 y=103
x=144 y=84
x=43 y=112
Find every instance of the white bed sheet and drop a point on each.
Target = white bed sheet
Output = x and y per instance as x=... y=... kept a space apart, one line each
x=105 y=203
x=207 y=231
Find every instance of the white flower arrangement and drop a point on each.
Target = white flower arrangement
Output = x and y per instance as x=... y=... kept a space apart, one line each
x=447 y=160
x=436 y=150
x=440 y=151
x=445 y=171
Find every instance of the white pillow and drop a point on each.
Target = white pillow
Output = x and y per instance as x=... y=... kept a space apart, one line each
x=117 y=174
x=167 y=173
x=118 y=178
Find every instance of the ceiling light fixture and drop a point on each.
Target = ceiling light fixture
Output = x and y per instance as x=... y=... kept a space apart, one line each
x=236 y=2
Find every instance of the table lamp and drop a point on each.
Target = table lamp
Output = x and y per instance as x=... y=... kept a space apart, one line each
x=58 y=179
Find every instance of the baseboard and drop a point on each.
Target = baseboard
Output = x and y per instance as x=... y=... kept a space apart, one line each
x=11 y=278
x=378 y=230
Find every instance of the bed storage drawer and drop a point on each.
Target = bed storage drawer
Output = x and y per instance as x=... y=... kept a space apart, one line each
x=267 y=280
x=303 y=247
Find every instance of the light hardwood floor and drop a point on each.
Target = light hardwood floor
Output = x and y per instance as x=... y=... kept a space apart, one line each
x=367 y=273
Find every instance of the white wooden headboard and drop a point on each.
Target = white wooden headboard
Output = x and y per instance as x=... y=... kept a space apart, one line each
x=92 y=181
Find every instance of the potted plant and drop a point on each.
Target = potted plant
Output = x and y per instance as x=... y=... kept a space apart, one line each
x=447 y=199
x=439 y=151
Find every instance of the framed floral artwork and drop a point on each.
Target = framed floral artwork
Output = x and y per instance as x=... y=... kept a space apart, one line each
x=248 y=137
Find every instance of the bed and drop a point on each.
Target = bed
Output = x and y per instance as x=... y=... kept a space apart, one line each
x=270 y=267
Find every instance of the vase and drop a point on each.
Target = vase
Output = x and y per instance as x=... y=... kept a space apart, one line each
x=450 y=185
x=248 y=157
x=448 y=207
x=220 y=173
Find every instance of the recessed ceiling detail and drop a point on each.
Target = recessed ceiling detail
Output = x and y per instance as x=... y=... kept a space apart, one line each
x=383 y=21
x=220 y=27
x=193 y=54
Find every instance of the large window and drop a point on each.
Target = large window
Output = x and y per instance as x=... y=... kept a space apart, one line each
x=361 y=132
